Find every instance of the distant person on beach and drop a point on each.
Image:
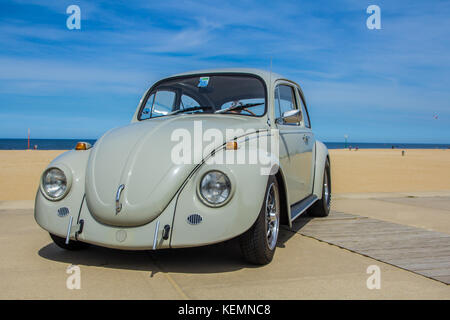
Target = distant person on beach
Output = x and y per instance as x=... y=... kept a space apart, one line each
x=35 y=147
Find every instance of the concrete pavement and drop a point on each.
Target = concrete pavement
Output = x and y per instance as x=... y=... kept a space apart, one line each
x=428 y=210
x=303 y=268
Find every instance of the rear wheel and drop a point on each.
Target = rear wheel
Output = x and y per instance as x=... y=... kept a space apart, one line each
x=73 y=245
x=258 y=244
x=322 y=207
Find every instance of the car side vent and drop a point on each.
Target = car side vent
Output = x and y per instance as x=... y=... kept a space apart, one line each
x=194 y=219
x=62 y=212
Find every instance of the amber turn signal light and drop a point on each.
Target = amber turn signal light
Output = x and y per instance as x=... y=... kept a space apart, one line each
x=232 y=145
x=83 y=146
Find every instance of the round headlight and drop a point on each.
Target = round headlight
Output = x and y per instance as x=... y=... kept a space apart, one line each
x=215 y=188
x=54 y=183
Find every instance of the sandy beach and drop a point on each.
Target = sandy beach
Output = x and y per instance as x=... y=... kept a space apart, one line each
x=365 y=170
x=386 y=170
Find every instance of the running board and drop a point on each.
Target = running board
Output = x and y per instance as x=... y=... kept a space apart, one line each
x=300 y=207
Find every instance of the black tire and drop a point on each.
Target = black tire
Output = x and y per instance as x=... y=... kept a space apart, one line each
x=73 y=245
x=322 y=207
x=254 y=242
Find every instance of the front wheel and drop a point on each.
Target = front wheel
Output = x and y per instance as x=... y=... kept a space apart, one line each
x=322 y=207
x=73 y=245
x=258 y=244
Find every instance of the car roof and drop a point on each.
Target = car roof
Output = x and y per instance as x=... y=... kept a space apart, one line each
x=265 y=75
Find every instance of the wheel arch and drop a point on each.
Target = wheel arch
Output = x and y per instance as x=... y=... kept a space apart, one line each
x=285 y=208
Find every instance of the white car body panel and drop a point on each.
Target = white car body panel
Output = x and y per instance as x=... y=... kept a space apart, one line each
x=158 y=191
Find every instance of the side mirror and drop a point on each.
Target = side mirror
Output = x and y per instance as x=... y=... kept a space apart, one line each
x=291 y=116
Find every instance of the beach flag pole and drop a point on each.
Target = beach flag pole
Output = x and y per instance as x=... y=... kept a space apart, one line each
x=28 y=138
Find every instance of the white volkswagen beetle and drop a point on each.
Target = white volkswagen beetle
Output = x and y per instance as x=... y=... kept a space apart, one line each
x=208 y=156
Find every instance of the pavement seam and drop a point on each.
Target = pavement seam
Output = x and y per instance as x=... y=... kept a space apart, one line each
x=387 y=200
x=169 y=278
x=398 y=194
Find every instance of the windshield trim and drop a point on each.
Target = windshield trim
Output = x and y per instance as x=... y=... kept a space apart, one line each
x=151 y=90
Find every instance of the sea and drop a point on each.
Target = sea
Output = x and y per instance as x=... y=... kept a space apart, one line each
x=67 y=144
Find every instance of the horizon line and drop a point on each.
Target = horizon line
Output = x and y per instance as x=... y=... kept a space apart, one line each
x=325 y=141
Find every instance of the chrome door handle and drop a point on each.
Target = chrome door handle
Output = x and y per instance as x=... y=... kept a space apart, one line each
x=119 y=192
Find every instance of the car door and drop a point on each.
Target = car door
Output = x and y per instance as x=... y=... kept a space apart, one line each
x=296 y=144
x=307 y=157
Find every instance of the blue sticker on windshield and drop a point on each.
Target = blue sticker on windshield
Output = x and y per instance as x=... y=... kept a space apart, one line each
x=203 y=82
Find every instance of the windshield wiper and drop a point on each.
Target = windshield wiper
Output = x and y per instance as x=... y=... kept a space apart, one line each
x=239 y=107
x=190 y=109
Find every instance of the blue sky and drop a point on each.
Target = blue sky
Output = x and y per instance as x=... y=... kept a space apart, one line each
x=374 y=85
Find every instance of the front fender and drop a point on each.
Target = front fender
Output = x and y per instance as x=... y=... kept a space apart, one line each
x=73 y=163
x=222 y=223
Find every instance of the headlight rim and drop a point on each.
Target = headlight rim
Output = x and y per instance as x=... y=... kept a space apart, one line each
x=68 y=176
x=204 y=200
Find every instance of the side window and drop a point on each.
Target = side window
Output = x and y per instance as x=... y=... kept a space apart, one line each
x=284 y=100
x=158 y=104
x=162 y=103
x=188 y=102
x=277 y=103
x=304 y=111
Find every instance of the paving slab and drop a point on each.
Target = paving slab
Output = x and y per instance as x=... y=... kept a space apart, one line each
x=439 y=203
x=431 y=212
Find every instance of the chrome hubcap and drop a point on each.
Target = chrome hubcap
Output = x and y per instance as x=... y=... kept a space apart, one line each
x=272 y=216
x=326 y=188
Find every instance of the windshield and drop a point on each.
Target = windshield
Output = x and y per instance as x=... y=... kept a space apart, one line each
x=221 y=94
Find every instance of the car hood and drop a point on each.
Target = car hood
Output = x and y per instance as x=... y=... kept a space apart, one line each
x=138 y=156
